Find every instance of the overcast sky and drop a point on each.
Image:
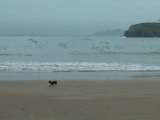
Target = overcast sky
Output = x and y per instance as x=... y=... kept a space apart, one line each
x=74 y=16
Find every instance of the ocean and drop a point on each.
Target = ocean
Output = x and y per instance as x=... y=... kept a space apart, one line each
x=79 y=58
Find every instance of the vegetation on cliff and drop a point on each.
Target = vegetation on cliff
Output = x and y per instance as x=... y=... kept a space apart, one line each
x=144 y=30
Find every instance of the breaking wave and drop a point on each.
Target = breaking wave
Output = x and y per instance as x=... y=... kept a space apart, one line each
x=73 y=67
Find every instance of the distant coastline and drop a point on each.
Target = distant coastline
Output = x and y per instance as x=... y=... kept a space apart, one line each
x=116 y=32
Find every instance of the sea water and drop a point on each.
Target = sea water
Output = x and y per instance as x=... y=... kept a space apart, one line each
x=79 y=58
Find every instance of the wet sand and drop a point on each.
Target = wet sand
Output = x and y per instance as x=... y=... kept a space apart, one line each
x=80 y=100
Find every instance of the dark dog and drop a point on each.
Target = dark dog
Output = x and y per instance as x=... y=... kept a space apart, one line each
x=52 y=83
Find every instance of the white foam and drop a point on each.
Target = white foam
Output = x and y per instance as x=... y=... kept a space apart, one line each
x=73 y=66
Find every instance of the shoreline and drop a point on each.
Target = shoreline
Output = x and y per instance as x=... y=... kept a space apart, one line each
x=110 y=75
x=80 y=99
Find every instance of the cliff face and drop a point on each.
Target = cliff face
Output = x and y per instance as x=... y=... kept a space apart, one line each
x=143 y=30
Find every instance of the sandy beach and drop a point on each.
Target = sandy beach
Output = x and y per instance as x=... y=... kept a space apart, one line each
x=80 y=100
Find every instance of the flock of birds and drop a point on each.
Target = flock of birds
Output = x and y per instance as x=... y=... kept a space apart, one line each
x=102 y=47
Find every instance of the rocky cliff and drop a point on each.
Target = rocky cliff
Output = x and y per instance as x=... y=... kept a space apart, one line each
x=143 y=30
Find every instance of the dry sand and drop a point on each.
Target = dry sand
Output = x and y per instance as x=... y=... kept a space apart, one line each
x=80 y=100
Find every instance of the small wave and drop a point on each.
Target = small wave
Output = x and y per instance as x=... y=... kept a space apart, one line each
x=113 y=53
x=73 y=67
x=18 y=54
x=145 y=76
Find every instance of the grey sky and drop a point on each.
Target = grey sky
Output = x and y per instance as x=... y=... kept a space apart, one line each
x=74 y=16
